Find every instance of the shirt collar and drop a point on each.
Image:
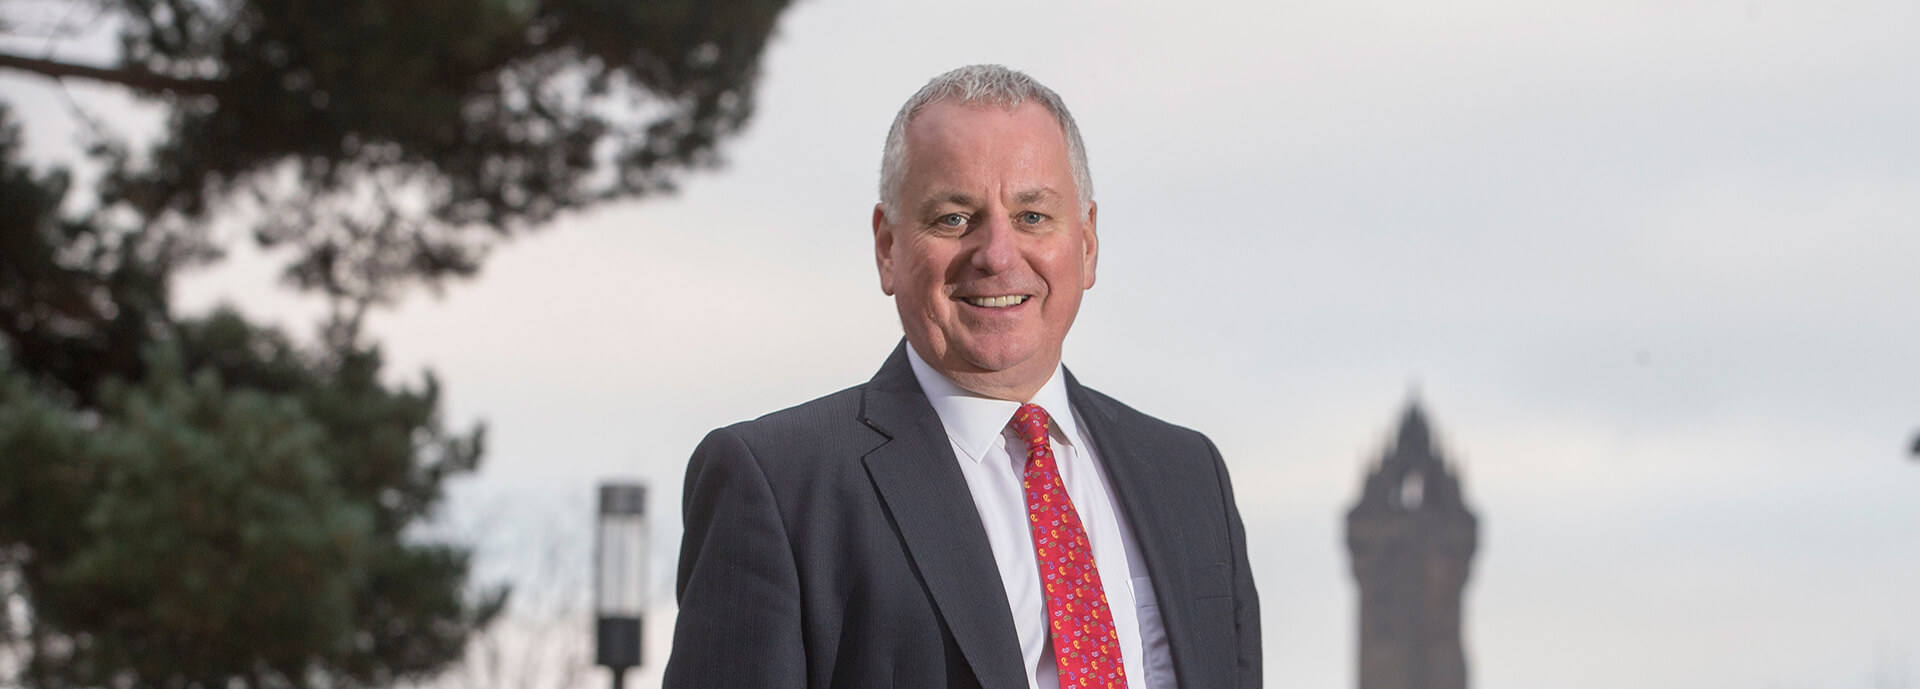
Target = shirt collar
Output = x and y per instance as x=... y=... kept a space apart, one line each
x=974 y=422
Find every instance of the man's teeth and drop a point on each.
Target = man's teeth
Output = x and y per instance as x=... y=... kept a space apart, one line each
x=996 y=302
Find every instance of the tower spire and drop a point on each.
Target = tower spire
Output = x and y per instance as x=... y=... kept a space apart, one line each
x=1415 y=438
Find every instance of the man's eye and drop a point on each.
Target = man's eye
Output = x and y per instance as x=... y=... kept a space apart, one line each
x=951 y=220
x=1032 y=218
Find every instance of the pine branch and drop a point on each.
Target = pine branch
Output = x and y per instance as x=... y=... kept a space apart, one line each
x=137 y=79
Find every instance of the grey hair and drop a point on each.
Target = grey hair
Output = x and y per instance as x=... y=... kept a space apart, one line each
x=979 y=85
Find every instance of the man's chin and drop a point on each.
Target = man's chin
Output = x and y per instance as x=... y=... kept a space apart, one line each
x=1008 y=360
x=992 y=355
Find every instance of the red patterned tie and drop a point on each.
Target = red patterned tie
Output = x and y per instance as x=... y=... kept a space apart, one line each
x=1085 y=644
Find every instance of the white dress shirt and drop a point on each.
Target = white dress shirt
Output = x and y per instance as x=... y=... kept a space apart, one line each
x=993 y=458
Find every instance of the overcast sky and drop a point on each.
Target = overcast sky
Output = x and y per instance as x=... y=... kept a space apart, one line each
x=1652 y=265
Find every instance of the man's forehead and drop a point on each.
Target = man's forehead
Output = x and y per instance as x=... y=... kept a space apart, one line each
x=971 y=137
x=1022 y=196
x=961 y=155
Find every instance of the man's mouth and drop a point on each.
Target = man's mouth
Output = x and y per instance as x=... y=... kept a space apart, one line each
x=997 y=302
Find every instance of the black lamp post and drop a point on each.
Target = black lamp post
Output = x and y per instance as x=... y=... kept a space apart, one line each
x=620 y=577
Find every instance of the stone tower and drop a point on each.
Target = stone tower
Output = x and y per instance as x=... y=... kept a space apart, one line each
x=1412 y=540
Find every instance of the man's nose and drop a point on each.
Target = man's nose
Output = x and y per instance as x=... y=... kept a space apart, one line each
x=996 y=246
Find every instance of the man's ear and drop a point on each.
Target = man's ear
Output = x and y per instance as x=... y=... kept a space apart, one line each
x=883 y=248
x=1090 y=243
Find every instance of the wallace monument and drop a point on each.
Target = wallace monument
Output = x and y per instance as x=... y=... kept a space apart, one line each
x=1412 y=540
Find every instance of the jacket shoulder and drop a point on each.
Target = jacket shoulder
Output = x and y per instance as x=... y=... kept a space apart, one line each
x=806 y=418
x=799 y=438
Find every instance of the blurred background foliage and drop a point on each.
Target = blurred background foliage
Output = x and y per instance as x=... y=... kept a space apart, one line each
x=201 y=502
x=243 y=521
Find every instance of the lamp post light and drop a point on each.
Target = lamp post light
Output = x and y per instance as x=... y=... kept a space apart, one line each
x=620 y=577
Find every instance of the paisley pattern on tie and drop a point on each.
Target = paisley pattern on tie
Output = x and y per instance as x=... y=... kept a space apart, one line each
x=1085 y=644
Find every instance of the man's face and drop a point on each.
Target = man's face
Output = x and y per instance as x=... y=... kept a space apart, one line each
x=990 y=251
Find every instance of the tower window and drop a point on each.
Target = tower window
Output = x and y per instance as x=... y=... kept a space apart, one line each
x=1412 y=491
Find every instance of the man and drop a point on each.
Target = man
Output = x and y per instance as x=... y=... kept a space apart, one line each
x=972 y=516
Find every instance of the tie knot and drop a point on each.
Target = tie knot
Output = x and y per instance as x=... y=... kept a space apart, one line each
x=1031 y=422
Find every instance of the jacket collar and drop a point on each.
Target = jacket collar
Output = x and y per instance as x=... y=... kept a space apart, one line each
x=1142 y=481
x=919 y=479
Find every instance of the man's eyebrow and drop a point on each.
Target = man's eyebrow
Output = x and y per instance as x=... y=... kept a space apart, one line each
x=954 y=198
x=1031 y=196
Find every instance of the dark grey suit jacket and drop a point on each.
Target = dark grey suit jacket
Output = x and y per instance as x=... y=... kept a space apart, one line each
x=835 y=544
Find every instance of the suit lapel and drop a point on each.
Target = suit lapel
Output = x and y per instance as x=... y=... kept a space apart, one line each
x=919 y=479
x=1147 y=495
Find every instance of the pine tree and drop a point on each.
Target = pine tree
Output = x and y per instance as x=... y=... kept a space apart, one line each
x=198 y=502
